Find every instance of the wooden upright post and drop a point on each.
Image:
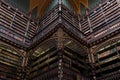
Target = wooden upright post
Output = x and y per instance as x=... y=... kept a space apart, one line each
x=60 y=48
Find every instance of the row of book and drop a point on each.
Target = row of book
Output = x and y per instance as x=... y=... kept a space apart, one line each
x=10 y=63
x=47 y=66
x=107 y=60
x=109 y=52
x=72 y=74
x=49 y=75
x=17 y=23
x=41 y=64
x=69 y=59
x=111 y=76
x=70 y=17
x=104 y=15
x=46 y=19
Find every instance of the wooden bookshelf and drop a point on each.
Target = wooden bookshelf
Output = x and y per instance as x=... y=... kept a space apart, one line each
x=9 y=64
x=107 y=60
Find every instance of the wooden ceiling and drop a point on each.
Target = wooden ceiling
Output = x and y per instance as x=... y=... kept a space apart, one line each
x=76 y=4
x=42 y=5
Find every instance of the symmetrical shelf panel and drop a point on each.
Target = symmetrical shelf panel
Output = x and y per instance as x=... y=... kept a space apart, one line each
x=102 y=19
x=46 y=66
x=20 y=27
x=10 y=64
x=107 y=61
x=15 y=25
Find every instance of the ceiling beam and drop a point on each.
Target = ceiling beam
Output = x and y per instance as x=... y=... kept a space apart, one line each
x=41 y=7
x=76 y=4
x=33 y=4
x=84 y=2
x=40 y=4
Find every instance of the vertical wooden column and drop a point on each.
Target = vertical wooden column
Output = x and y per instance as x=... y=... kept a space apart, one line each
x=60 y=66
x=92 y=63
x=89 y=22
x=80 y=26
x=27 y=27
x=11 y=24
x=60 y=52
x=60 y=10
x=90 y=56
x=25 y=59
x=103 y=13
x=60 y=39
x=24 y=66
